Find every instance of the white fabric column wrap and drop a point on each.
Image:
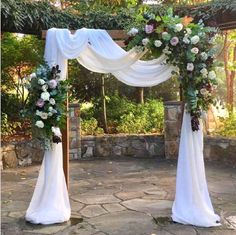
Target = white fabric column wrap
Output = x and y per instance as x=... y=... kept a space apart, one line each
x=50 y=202
x=192 y=203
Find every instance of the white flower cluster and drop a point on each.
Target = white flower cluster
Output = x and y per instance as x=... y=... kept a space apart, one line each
x=133 y=32
x=45 y=97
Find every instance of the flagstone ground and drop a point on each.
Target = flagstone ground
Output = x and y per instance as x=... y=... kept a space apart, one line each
x=121 y=196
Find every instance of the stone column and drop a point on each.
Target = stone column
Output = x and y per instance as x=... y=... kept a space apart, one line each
x=172 y=127
x=75 y=133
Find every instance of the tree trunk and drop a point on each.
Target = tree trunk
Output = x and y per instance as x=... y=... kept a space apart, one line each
x=104 y=109
x=230 y=75
x=227 y=72
x=231 y=81
x=140 y=95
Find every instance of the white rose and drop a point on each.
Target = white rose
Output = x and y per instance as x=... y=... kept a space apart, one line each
x=195 y=39
x=56 y=131
x=166 y=36
x=41 y=81
x=44 y=115
x=189 y=31
x=190 y=67
x=52 y=101
x=32 y=75
x=45 y=87
x=145 y=41
x=133 y=32
x=38 y=113
x=50 y=108
x=195 y=50
x=45 y=95
x=204 y=91
x=39 y=124
x=204 y=56
x=157 y=43
x=204 y=72
x=212 y=75
x=186 y=40
x=178 y=27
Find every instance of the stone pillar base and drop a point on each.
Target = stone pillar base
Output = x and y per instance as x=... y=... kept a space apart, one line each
x=172 y=128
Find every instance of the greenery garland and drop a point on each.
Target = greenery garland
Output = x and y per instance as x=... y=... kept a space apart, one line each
x=47 y=104
x=190 y=47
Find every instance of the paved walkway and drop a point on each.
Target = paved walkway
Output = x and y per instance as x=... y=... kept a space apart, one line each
x=124 y=196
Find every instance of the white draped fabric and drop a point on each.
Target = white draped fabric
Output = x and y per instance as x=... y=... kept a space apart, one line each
x=50 y=202
x=192 y=203
x=96 y=50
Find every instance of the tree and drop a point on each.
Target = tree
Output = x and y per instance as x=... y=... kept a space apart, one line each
x=230 y=64
x=20 y=56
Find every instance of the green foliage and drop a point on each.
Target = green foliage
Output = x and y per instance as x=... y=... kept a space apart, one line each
x=90 y=127
x=7 y=127
x=144 y=118
x=34 y=16
x=228 y=126
x=124 y=116
x=20 y=56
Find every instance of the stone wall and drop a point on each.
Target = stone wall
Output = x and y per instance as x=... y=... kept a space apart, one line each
x=74 y=133
x=122 y=145
x=28 y=152
x=220 y=149
x=22 y=153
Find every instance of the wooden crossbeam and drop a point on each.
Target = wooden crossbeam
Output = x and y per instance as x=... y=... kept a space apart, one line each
x=118 y=36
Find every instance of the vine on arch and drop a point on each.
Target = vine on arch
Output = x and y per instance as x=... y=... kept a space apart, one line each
x=189 y=47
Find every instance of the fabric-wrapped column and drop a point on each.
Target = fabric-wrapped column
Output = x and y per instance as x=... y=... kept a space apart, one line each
x=192 y=203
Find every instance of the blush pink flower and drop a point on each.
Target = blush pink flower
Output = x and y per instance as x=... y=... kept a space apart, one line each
x=40 y=103
x=149 y=28
x=174 y=41
x=52 y=84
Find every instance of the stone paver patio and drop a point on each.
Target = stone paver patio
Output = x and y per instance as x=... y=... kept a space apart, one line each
x=124 y=196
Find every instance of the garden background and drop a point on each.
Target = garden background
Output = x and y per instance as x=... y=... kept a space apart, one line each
x=107 y=105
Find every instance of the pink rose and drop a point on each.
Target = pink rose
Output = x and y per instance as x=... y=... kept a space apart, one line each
x=52 y=84
x=149 y=28
x=40 y=103
x=174 y=41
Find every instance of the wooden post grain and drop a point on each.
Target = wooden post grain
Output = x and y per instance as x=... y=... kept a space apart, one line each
x=65 y=146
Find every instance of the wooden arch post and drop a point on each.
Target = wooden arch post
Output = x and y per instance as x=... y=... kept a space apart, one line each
x=118 y=36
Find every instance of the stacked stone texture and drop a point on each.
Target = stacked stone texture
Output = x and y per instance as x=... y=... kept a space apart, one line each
x=172 y=127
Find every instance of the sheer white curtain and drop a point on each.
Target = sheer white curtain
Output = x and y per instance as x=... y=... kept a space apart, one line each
x=50 y=202
x=96 y=50
x=192 y=203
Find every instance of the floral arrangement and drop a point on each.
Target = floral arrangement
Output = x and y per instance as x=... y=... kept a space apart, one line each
x=190 y=48
x=47 y=103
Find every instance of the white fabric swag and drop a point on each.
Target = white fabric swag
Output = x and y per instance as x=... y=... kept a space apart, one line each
x=96 y=51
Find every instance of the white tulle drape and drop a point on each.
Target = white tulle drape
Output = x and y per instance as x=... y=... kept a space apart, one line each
x=50 y=202
x=96 y=51
x=192 y=203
